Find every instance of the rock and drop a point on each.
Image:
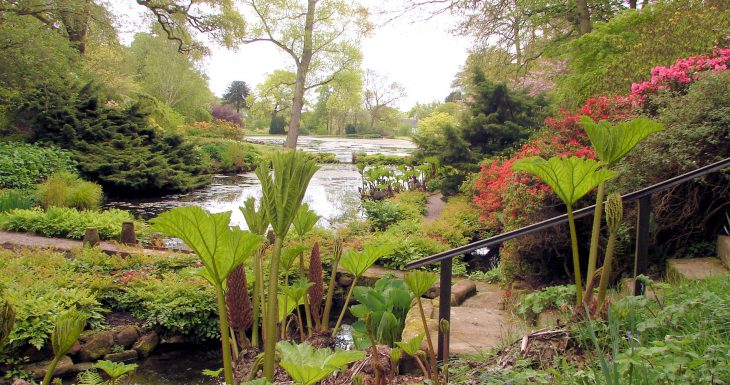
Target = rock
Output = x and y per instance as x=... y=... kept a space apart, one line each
x=462 y=290
x=127 y=355
x=74 y=349
x=177 y=339
x=96 y=345
x=723 y=249
x=146 y=344
x=20 y=382
x=126 y=335
x=38 y=369
x=82 y=367
x=694 y=269
x=344 y=280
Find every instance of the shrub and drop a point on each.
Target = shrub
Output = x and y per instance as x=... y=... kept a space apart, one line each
x=226 y=113
x=414 y=200
x=178 y=305
x=23 y=165
x=231 y=156
x=383 y=214
x=14 y=199
x=116 y=147
x=64 y=189
x=277 y=126
x=220 y=129
x=409 y=245
x=66 y=222
x=554 y=297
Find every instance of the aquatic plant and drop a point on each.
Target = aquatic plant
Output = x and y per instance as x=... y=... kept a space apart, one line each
x=357 y=262
x=283 y=186
x=420 y=282
x=571 y=179
x=221 y=250
x=614 y=217
x=307 y=365
x=412 y=347
x=611 y=143
x=66 y=331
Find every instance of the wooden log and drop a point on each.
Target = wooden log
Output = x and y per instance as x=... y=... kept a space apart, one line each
x=129 y=237
x=91 y=236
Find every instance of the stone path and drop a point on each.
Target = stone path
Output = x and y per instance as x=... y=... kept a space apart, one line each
x=477 y=325
x=9 y=240
x=434 y=207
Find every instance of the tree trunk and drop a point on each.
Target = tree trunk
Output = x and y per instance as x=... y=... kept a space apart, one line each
x=632 y=4
x=302 y=69
x=584 y=17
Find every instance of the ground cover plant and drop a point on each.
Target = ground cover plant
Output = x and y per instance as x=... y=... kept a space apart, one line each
x=66 y=222
x=24 y=165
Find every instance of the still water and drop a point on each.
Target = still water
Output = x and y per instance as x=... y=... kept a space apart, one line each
x=332 y=193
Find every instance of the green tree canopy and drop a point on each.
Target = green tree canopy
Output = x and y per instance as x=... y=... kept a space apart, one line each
x=236 y=94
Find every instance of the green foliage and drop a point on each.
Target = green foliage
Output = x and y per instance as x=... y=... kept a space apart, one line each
x=409 y=244
x=550 y=298
x=493 y=275
x=420 y=282
x=623 y=50
x=284 y=190
x=256 y=220
x=66 y=222
x=307 y=365
x=570 y=178
x=23 y=165
x=387 y=304
x=383 y=214
x=231 y=156
x=452 y=153
x=7 y=320
x=14 y=199
x=357 y=262
x=277 y=125
x=170 y=76
x=115 y=147
x=362 y=159
x=412 y=346
x=220 y=248
x=64 y=189
x=173 y=304
x=613 y=142
x=498 y=118
x=305 y=220
x=217 y=129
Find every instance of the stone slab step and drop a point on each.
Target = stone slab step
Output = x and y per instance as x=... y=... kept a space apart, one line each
x=723 y=249
x=694 y=269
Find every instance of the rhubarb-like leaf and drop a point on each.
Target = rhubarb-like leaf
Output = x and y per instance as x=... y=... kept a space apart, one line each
x=283 y=188
x=305 y=220
x=613 y=142
x=257 y=220
x=220 y=248
x=571 y=178
x=420 y=281
x=307 y=365
x=412 y=346
x=357 y=262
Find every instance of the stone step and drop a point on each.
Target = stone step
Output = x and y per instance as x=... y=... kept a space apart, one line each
x=694 y=269
x=723 y=249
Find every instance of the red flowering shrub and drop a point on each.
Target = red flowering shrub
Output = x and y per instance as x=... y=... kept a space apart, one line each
x=509 y=200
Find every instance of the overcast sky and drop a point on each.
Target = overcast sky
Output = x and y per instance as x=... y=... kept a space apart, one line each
x=422 y=55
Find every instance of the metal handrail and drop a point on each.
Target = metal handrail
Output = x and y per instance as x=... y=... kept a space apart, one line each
x=586 y=211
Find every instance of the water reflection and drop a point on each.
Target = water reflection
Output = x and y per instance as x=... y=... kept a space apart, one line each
x=332 y=193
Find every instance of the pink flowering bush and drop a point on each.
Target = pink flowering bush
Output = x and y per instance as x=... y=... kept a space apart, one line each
x=508 y=200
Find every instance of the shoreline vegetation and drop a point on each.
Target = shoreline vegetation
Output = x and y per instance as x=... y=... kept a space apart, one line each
x=570 y=106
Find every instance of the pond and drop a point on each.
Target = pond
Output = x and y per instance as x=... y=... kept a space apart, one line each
x=332 y=193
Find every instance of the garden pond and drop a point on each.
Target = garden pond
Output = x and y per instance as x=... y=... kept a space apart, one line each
x=332 y=193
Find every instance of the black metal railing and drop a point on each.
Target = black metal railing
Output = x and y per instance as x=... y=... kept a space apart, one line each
x=643 y=197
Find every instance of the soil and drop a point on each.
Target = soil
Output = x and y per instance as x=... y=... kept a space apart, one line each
x=121 y=319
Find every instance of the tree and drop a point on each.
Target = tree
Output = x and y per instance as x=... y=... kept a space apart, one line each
x=339 y=103
x=170 y=76
x=498 y=118
x=379 y=94
x=321 y=38
x=275 y=94
x=236 y=94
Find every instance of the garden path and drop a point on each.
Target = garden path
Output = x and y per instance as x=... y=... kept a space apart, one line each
x=434 y=207
x=10 y=240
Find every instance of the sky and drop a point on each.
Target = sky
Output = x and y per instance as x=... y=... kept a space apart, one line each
x=420 y=54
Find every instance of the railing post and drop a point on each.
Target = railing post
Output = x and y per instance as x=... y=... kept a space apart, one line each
x=444 y=307
x=641 y=259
